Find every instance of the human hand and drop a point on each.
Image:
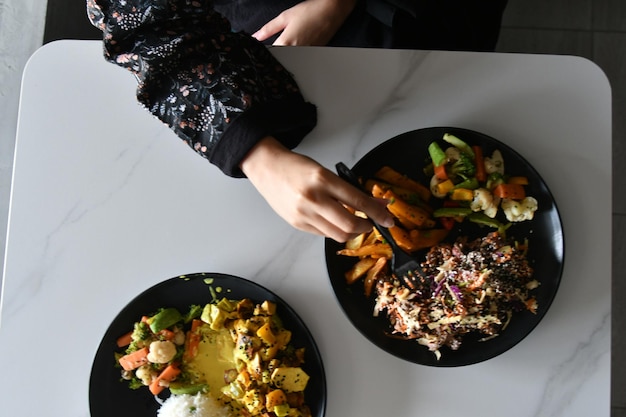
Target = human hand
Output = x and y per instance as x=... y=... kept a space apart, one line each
x=310 y=23
x=307 y=195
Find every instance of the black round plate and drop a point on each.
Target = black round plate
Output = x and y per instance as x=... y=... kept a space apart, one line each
x=408 y=154
x=109 y=396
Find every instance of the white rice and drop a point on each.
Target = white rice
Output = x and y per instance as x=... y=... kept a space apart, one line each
x=198 y=405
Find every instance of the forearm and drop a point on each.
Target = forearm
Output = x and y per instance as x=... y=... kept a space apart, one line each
x=208 y=84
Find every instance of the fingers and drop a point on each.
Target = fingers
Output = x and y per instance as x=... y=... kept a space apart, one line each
x=331 y=217
x=332 y=220
x=325 y=208
x=270 y=29
x=322 y=227
x=374 y=208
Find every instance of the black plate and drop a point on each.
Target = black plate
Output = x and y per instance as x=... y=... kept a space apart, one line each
x=408 y=154
x=108 y=396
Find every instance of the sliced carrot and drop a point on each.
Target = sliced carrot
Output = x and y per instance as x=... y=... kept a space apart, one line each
x=167 y=375
x=378 y=189
x=195 y=324
x=408 y=212
x=392 y=176
x=512 y=191
x=125 y=339
x=440 y=172
x=166 y=334
x=192 y=341
x=402 y=238
x=135 y=359
x=479 y=161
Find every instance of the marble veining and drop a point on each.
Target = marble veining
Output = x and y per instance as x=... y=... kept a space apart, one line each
x=72 y=213
x=568 y=377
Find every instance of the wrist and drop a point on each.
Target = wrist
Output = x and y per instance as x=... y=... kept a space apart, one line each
x=261 y=155
x=346 y=6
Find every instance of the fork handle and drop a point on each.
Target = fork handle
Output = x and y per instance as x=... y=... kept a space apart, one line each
x=349 y=175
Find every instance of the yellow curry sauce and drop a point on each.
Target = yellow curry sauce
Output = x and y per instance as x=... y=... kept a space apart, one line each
x=214 y=358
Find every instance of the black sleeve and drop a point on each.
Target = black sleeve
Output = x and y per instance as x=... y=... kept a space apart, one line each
x=220 y=91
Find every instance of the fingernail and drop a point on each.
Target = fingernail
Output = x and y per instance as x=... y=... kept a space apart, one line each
x=388 y=222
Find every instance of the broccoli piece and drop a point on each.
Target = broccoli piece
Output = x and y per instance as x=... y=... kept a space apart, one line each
x=463 y=167
x=140 y=336
x=194 y=312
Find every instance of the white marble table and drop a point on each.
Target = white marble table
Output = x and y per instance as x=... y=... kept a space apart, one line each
x=99 y=214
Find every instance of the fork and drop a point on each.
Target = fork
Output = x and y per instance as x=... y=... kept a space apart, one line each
x=403 y=264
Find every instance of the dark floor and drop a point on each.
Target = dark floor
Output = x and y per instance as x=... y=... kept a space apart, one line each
x=595 y=29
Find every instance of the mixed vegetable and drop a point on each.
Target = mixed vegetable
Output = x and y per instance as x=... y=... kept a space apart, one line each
x=475 y=186
x=237 y=351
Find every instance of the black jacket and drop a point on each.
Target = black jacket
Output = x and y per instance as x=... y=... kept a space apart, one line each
x=222 y=91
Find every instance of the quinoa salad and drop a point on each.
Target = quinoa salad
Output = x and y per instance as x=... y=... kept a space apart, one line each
x=467 y=286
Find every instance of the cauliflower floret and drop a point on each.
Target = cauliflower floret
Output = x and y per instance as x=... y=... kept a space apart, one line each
x=453 y=153
x=146 y=374
x=161 y=351
x=485 y=201
x=518 y=211
x=179 y=337
x=434 y=189
x=495 y=163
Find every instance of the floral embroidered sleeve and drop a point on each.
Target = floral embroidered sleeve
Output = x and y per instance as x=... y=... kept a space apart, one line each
x=220 y=91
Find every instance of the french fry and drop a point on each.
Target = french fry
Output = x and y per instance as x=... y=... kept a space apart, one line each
x=407 y=213
x=376 y=250
x=373 y=274
x=393 y=177
x=356 y=242
x=359 y=269
x=372 y=238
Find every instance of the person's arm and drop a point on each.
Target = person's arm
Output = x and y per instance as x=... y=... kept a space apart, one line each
x=226 y=96
x=221 y=92
x=310 y=23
